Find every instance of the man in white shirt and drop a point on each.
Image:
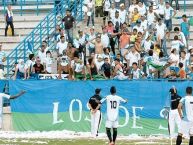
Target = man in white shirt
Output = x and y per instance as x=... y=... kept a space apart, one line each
x=62 y=45
x=20 y=71
x=160 y=31
x=181 y=36
x=113 y=102
x=122 y=13
x=151 y=16
x=186 y=106
x=2 y=95
x=117 y=21
x=160 y=8
x=136 y=73
x=42 y=53
x=169 y=14
x=112 y=11
x=105 y=38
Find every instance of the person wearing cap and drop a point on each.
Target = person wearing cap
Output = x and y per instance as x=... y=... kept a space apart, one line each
x=123 y=13
x=95 y=108
x=113 y=101
x=20 y=70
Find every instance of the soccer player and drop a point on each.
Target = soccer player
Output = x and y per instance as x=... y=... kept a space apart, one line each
x=113 y=102
x=8 y=97
x=174 y=117
x=186 y=106
x=94 y=105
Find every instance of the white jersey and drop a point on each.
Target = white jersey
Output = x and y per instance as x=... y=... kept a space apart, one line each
x=113 y=102
x=187 y=103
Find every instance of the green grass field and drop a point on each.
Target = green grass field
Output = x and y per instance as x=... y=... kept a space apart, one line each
x=82 y=142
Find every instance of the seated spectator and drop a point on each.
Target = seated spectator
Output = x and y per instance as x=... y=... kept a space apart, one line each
x=64 y=66
x=38 y=67
x=136 y=73
x=107 y=54
x=20 y=71
x=183 y=59
x=78 y=69
x=174 y=58
x=98 y=45
x=182 y=73
x=181 y=36
x=106 y=69
x=92 y=69
x=62 y=45
x=99 y=61
x=118 y=71
x=29 y=65
x=70 y=51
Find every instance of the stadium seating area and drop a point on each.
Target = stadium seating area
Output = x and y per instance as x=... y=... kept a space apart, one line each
x=136 y=40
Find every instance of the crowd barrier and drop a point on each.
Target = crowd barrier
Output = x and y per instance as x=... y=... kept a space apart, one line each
x=51 y=105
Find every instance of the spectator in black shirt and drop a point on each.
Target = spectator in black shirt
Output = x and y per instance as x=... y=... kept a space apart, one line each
x=94 y=105
x=38 y=68
x=106 y=69
x=68 y=23
x=174 y=117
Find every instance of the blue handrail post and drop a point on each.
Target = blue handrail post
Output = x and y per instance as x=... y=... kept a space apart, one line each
x=4 y=5
x=81 y=12
x=24 y=54
x=40 y=33
x=37 y=12
x=7 y=67
x=21 y=8
x=47 y=27
x=33 y=39
x=184 y=5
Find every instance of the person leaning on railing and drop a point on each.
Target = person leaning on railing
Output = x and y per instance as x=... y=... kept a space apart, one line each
x=9 y=20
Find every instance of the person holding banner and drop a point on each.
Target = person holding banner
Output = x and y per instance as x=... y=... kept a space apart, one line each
x=113 y=102
x=174 y=117
x=185 y=109
x=2 y=95
x=94 y=105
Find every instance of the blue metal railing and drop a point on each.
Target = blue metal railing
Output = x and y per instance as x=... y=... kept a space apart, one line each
x=42 y=31
x=26 y=6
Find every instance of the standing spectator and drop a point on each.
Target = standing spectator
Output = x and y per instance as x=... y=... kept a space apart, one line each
x=117 y=21
x=174 y=58
x=142 y=8
x=92 y=69
x=68 y=23
x=135 y=16
x=177 y=4
x=177 y=44
x=160 y=8
x=169 y=14
x=185 y=27
x=9 y=20
x=90 y=12
x=98 y=8
x=184 y=60
x=181 y=36
x=123 y=13
x=42 y=53
x=62 y=45
x=160 y=32
x=112 y=11
x=2 y=57
x=105 y=38
x=90 y=37
x=107 y=6
x=48 y=63
x=124 y=41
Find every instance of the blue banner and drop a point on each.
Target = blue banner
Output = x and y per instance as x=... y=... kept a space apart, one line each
x=2 y=85
x=65 y=103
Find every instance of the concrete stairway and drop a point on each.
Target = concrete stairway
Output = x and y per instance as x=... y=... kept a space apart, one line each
x=23 y=26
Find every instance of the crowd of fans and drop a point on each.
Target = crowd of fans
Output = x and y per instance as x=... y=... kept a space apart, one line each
x=135 y=42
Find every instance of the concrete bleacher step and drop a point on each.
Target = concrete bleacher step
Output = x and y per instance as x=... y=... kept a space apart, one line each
x=18 y=32
x=22 y=25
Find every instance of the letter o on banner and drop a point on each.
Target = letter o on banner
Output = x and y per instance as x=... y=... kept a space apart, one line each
x=80 y=110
